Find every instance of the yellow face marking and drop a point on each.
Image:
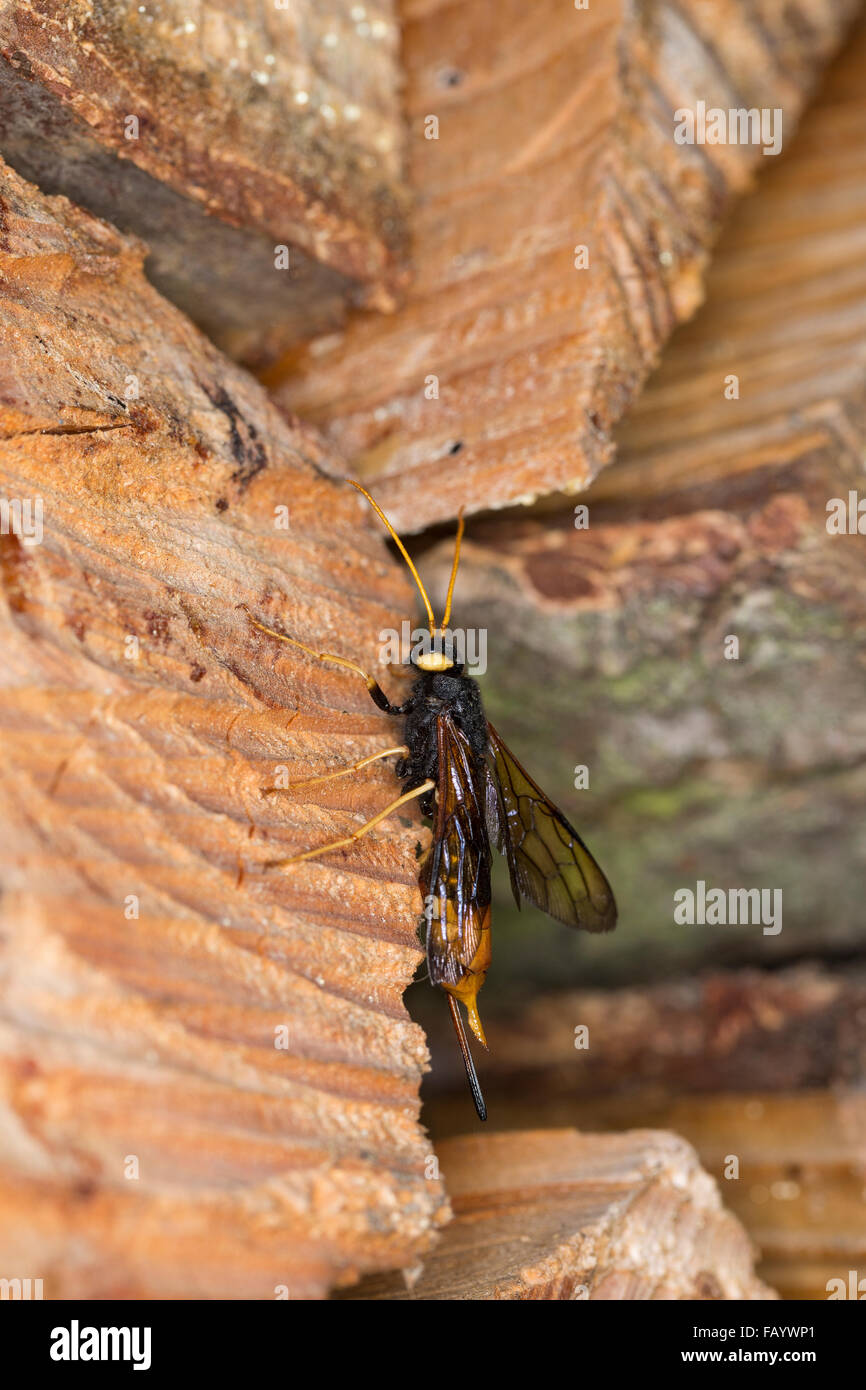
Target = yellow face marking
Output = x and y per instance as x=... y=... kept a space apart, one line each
x=434 y=661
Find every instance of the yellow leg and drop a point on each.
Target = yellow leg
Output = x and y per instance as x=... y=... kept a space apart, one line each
x=379 y=697
x=356 y=835
x=343 y=772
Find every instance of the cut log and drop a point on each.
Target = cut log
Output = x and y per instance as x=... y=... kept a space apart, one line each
x=220 y=139
x=554 y=1214
x=209 y=1081
x=790 y=1166
x=609 y=647
x=561 y=233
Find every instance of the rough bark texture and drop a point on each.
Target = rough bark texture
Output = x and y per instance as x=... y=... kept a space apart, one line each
x=238 y=1032
x=258 y=125
x=556 y=130
x=607 y=645
x=560 y=1215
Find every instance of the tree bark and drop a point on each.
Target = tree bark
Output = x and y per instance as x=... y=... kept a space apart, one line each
x=210 y=1084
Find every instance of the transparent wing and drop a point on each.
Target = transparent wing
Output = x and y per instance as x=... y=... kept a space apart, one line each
x=548 y=862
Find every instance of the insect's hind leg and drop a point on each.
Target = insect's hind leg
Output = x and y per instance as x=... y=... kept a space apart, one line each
x=377 y=694
x=424 y=788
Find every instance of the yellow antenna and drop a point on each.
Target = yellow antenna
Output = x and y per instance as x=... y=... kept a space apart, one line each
x=403 y=551
x=453 y=579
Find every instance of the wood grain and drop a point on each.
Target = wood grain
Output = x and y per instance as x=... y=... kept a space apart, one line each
x=555 y=1214
x=789 y=1164
x=556 y=130
x=238 y=1032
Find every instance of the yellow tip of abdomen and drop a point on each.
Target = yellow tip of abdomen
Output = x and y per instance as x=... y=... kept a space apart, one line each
x=467 y=993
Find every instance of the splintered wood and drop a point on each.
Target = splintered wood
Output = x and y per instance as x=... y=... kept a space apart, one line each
x=258 y=148
x=553 y=1214
x=209 y=1080
x=560 y=234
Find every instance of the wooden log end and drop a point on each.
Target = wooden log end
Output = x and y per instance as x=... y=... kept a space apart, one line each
x=556 y=1214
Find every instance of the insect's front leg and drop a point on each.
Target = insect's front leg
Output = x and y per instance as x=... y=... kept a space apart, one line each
x=377 y=694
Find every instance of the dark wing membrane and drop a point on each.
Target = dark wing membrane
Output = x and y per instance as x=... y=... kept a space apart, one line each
x=456 y=877
x=548 y=862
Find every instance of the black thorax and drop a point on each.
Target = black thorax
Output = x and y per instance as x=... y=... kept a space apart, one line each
x=431 y=694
